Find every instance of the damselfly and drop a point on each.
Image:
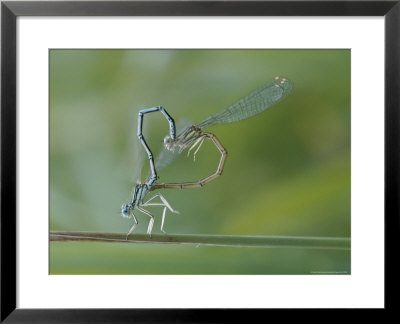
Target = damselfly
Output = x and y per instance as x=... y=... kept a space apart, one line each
x=251 y=105
x=192 y=136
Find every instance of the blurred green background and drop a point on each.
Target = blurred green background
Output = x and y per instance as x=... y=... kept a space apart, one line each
x=287 y=172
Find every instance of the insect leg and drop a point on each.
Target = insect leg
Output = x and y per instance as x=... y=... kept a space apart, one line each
x=193 y=146
x=151 y=223
x=147 y=201
x=165 y=203
x=162 y=221
x=133 y=226
x=195 y=152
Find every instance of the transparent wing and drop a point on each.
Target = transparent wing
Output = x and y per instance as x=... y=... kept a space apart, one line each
x=165 y=157
x=253 y=104
x=139 y=157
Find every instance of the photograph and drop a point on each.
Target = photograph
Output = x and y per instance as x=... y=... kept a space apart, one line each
x=199 y=161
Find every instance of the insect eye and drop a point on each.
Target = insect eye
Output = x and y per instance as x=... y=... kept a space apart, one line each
x=125 y=210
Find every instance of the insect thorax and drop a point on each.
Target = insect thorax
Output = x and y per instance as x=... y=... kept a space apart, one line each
x=183 y=140
x=139 y=193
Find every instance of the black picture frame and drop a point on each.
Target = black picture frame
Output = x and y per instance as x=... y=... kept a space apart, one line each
x=11 y=10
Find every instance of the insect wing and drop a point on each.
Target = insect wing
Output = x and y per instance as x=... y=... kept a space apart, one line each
x=251 y=105
x=165 y=157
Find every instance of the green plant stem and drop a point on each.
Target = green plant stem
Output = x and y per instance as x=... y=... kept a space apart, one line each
x=337 y=243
